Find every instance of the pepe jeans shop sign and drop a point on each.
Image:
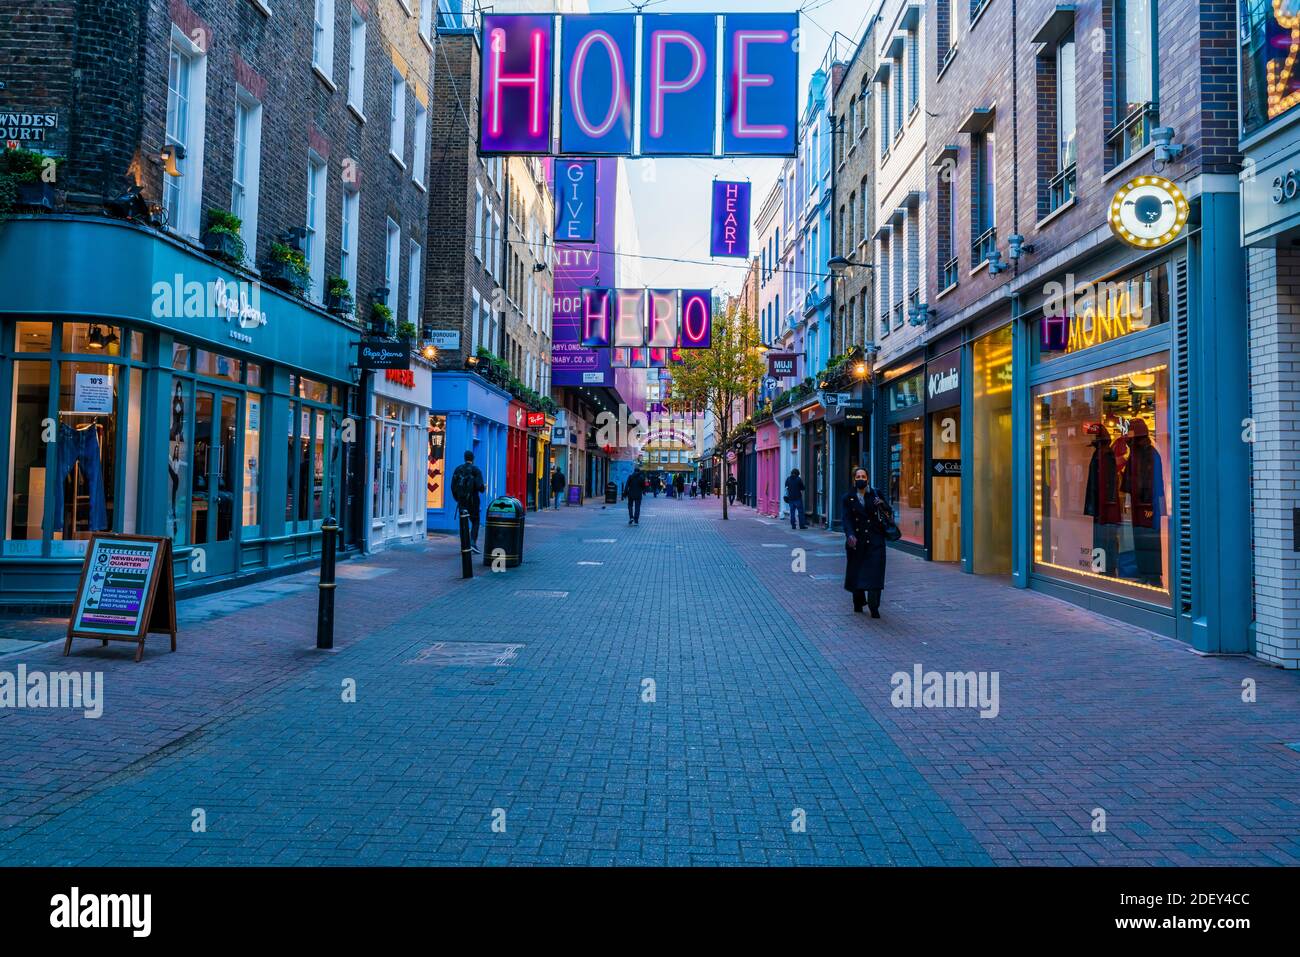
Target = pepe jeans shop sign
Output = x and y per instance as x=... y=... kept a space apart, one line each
x=384 y=354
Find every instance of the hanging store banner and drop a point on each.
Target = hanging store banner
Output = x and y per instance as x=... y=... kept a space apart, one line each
x=697 y=319
x=597 y=60
x=782 y=365
x=662 y=318
x=760 y=67
x=515 y=89
x=646 y=319
x=679 y=107
x=595 y=317
x=575 y=201
x=730 y=234
x=673 y=77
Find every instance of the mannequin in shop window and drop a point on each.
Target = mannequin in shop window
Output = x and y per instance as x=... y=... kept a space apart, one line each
x=1143 y=479
x=176 y=459
x=1101 y=500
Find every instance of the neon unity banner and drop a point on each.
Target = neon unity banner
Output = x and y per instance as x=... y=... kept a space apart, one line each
x=639 y=84
x=654 y=319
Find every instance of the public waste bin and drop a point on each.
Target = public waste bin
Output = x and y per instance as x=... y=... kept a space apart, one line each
x=611 y=493
x=504 y=531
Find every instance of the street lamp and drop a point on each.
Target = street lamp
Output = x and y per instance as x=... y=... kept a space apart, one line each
x=839 y=265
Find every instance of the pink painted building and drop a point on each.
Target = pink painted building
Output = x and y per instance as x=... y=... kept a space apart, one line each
x=767 y=446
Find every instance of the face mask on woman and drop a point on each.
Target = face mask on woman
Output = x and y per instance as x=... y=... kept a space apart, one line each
x=861 y=484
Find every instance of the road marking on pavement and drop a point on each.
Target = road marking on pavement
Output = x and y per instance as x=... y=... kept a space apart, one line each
x=598 y=541
x=591 y=563
x=451 y=653
x=775 y=545
x=540 y=593
x=824 y=578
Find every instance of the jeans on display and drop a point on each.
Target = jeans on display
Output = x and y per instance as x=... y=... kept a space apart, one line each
x=79 y=448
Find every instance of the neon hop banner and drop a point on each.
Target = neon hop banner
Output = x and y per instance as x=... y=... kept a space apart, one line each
x=597 y=62
x=515 y=87
x=730 y=236
x=697 y=319
x=760 y=105
x=575 y=201
x=679 y=78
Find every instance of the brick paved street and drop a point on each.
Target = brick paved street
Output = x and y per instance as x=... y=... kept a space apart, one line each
x=770 y=696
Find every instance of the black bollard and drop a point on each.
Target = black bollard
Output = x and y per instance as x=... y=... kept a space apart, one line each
x=466 y=556
x=325 y=605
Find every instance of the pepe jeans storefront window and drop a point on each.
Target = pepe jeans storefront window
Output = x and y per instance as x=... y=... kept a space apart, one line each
x=1102 y=472
x=73 y=436
x=399 y=467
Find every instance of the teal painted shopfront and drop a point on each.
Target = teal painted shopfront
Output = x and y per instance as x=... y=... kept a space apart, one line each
x=147 y=389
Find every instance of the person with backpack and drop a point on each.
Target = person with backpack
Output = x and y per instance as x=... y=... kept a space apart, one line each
x=467 y=488
x=794 y=497
x=731 y=489
x=558 y=482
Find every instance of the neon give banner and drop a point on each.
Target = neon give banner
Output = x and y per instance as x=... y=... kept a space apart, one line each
x=639 y=85
x=655 y=320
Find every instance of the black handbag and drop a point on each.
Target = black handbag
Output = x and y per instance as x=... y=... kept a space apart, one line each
x=885 y=515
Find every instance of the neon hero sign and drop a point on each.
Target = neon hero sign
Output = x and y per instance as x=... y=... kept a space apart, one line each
x=657 y=319
x=639 y=85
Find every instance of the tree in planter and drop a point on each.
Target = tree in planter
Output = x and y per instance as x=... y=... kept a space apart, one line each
x=716 y=377
x=338 y=295
x=26 y=177
x=381 y=319
x=289 y=266
x=223 y=238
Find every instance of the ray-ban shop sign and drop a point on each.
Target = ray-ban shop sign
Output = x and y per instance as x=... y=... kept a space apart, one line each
x=639 y=84
x=384 y=354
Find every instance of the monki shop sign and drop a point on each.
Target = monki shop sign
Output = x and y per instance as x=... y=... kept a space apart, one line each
x=1077 y=317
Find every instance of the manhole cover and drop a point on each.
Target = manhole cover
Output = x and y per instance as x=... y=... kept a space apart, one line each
x=473 y=653
x=537 y=593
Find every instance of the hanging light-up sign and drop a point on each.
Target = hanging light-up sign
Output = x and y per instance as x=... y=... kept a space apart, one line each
x=575 y=201
x=730 y=233
x=1148 y=212
x=672 y=73
x=662 y=320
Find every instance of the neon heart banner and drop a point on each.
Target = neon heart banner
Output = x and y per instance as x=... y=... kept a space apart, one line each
x=730 y=233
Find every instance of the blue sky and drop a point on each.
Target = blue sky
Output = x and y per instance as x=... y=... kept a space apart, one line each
x=672 y=197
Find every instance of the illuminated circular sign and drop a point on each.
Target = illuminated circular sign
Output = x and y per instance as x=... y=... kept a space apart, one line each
x=1148 y=212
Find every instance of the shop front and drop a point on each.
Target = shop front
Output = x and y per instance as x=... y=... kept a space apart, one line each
x=399 y=416
x=850 y=445
x=816 y=464
x=790 y=430
x=467 y=413
x=944 y=458
x=539 y=459
x=156 y=394
x=986 y=433
x=767 y=446
x=903 y=469
x=517 y=470
x=747 y=477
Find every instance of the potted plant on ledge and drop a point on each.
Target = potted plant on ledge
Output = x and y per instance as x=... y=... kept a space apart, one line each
x=381 y=320
x=222 y=239
x=288 y=269
x=338 y=296
x=27 y=179
x=406 y=330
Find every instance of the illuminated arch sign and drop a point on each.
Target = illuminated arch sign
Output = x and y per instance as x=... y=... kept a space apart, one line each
x=639 y=85
x=646 y=325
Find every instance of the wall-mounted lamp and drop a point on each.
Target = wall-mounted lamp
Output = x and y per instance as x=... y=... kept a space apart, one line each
x=430 y=352
x=996 y=265
x=1017 y=247
x=920 y=313
x=1162 y=137
x=169 y=155
x=293 y=237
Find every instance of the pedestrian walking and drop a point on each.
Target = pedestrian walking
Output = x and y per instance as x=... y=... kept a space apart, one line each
x=695 y=488
x=731 y=490
x=467 y=489
x=794 y=498
x=558 y=482
x=679 y=484
x=868 y=520
x=633 y=491
x=654 y=484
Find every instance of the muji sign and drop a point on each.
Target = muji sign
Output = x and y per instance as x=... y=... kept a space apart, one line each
x=640 y=85
x=730 y=235
x=657 y=319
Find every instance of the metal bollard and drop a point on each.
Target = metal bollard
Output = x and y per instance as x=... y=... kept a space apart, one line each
x=466 y=556
x=325 y=604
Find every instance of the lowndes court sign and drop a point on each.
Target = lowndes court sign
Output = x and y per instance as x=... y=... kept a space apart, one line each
x=639 y=84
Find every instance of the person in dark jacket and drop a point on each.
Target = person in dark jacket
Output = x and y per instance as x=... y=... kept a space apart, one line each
x=794 y=496
x=679 y=484
x=731 y=490
x=864 y=541
x=558 y=482
x=633 y=491
x=467 y=489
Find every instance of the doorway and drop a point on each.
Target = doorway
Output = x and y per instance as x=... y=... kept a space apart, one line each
x=216 y=452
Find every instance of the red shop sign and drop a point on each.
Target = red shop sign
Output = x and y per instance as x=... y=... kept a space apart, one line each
x=404 y=377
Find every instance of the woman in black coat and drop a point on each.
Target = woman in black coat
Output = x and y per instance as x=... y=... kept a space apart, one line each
x=864 y=532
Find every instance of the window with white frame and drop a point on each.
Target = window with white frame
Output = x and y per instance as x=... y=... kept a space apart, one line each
x=322 y=38
x=419 y=131
x=392 y=264
x=357 y=63
x=475 y=332
x=397 y=117
x=349 y=233
x=314 y=241
x=426 y=19
x=186 y=98
x=478 y=222
x=413 y=284
x=247 y=168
